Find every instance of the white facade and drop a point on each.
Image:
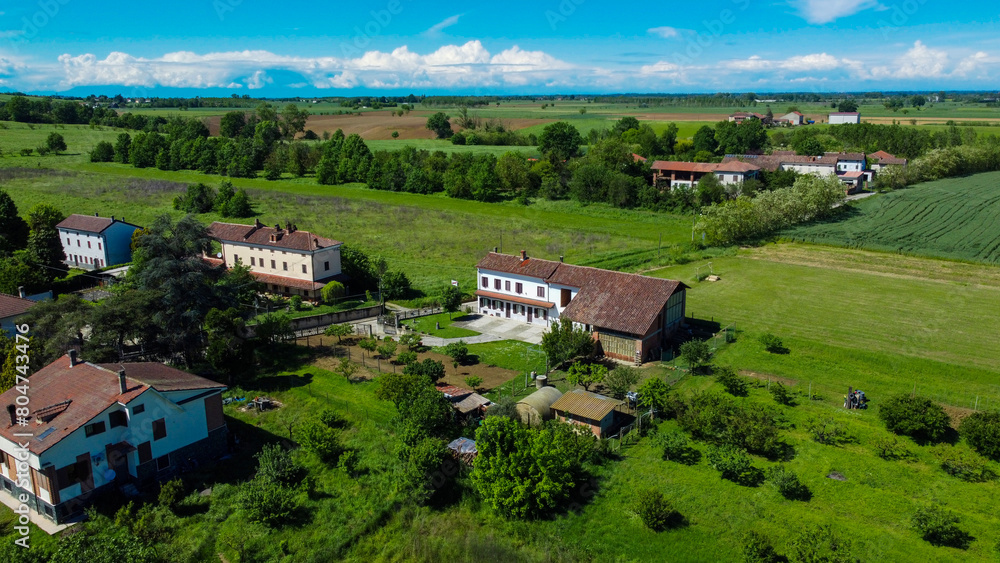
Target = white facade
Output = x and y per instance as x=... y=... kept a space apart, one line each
x=306 y=265
x=511 y=288
x=90 y=249
x=844 y=118
x=850 y=166
x=819 y=169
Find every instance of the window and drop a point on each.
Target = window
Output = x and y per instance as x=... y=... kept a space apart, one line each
x=94 y=429
x=162 y=462
x=506 y=285
x=272 y=265
x=99 y=246
x=518 y=288
x=236 y=257
x=326 y=265
x=145 y=452
x=486 y=281
x=253 y=261
x=159 y=429
x=284 y=266
x=78 y=242
x=118 y=418
x=540 y=291
x=304 y=269
x=69 y=241
x=496 y=283
x=138 y=409
x=88 y=244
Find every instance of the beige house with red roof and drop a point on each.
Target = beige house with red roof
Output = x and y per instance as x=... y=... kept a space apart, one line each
x=671 y=174
x=285 y=261
x=93 y=242
x=631 y=316
x=91 y=427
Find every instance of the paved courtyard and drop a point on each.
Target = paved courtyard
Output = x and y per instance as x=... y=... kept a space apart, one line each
x=505 y=329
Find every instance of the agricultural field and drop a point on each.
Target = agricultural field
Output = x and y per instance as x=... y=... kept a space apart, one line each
x=885 y=323
x=951 y=218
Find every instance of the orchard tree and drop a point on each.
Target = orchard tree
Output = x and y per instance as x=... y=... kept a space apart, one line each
x=451 y=299
x=654 y=394
x=55 y=142
x=563 y=342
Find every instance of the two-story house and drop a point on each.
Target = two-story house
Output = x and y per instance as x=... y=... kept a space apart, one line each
x=631 y=316
x=96 y=242
x=92 y=427
x=285 y=261
x=11 y=309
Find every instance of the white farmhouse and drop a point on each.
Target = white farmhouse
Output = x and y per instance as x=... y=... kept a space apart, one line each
x=632 y=317
x=98 y=427
x=285 y=261
x=96 y=242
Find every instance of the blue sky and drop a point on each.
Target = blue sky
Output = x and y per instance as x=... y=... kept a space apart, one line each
x=218 y=47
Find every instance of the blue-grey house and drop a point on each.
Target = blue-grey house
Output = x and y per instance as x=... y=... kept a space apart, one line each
x=96 y=242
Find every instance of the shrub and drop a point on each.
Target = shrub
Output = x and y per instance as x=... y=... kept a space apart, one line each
x=758 y=549
x=787 y=483
x=677 y=447
x=457 y=351
x=773 y=344
x=474 y=381
x=734 y=464
x=891 y=448
x=964 y=464
x=826 y=430
x=171 y=493
x=821 y=543
x=655 y=511
x=782 y=395
x=266 y=502
x=295 y=302
x=914 y=416
x=939 y=526
x=620 y=380
x=982 y=431
x=332 y=291
x=332 y=418
x=719 y=419
x=26 y=152
x=733 y=383
x=406 y=358
x=276 y=465
x=320 y=439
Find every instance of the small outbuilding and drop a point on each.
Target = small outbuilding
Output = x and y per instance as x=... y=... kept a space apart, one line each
x=468 y=403
x=537 y=406
x=584 y=408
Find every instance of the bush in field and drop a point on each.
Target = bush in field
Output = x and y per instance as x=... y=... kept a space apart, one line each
x=782 y=395
x=171 y=493
x=677 y=447
x=696 y=353
x=102 y=152
x=266 y=502
x=773 y=344
x=939 y=526
x=734 y=384
x=890 y=448
x=982 y=431
x=826 y=430
x=734 y=464
x=320 y=439
x=787 y=483
x=914 y=416
x=620 y=380
x=656 y=512
x=821 y=543
x=276 y=464
x=964 y=464
x=758 y=549
x=719 y=419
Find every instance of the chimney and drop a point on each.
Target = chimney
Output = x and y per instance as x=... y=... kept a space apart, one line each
x=496 y=249
x=560 y=257
x=10 y=411
x=20 y=291
x=295 y=228
x=72 y=358
x=257 y=223
x=524 y=255
x=288 y=226
x=112 y=218
x=121 y=381
x=277 y=226
x=96 y=215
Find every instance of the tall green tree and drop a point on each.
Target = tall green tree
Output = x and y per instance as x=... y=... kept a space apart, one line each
x=561 y=139
x=13 y=229
x=440 y=125
x=55 y=142
x=228 y=351
x=563 y=342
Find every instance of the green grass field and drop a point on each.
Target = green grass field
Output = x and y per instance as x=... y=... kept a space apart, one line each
x=428 y=325
x=885 y=323
x=951 y=218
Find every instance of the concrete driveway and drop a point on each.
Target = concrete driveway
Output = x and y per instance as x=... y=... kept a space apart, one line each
x=492 y=329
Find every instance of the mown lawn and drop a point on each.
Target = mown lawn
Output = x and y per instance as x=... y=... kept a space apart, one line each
x=428 y=325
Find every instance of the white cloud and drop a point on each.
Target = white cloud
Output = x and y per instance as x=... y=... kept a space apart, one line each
x=920 y=61
x=665 y=31
x=826 y=11
x=447 y=22
x=974 y=64
x=820 y=61
x=469 y=64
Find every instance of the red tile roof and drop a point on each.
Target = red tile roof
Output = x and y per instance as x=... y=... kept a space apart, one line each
x=260 y=235
x=855 y=175
x=883 y=157
x=616 y=301
x=704 y=167
x=64 y=398
x=86 y=223
x=638 y=157
x=12 y=306
x=880 y=155
x=272 y=279
x=737 y=166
